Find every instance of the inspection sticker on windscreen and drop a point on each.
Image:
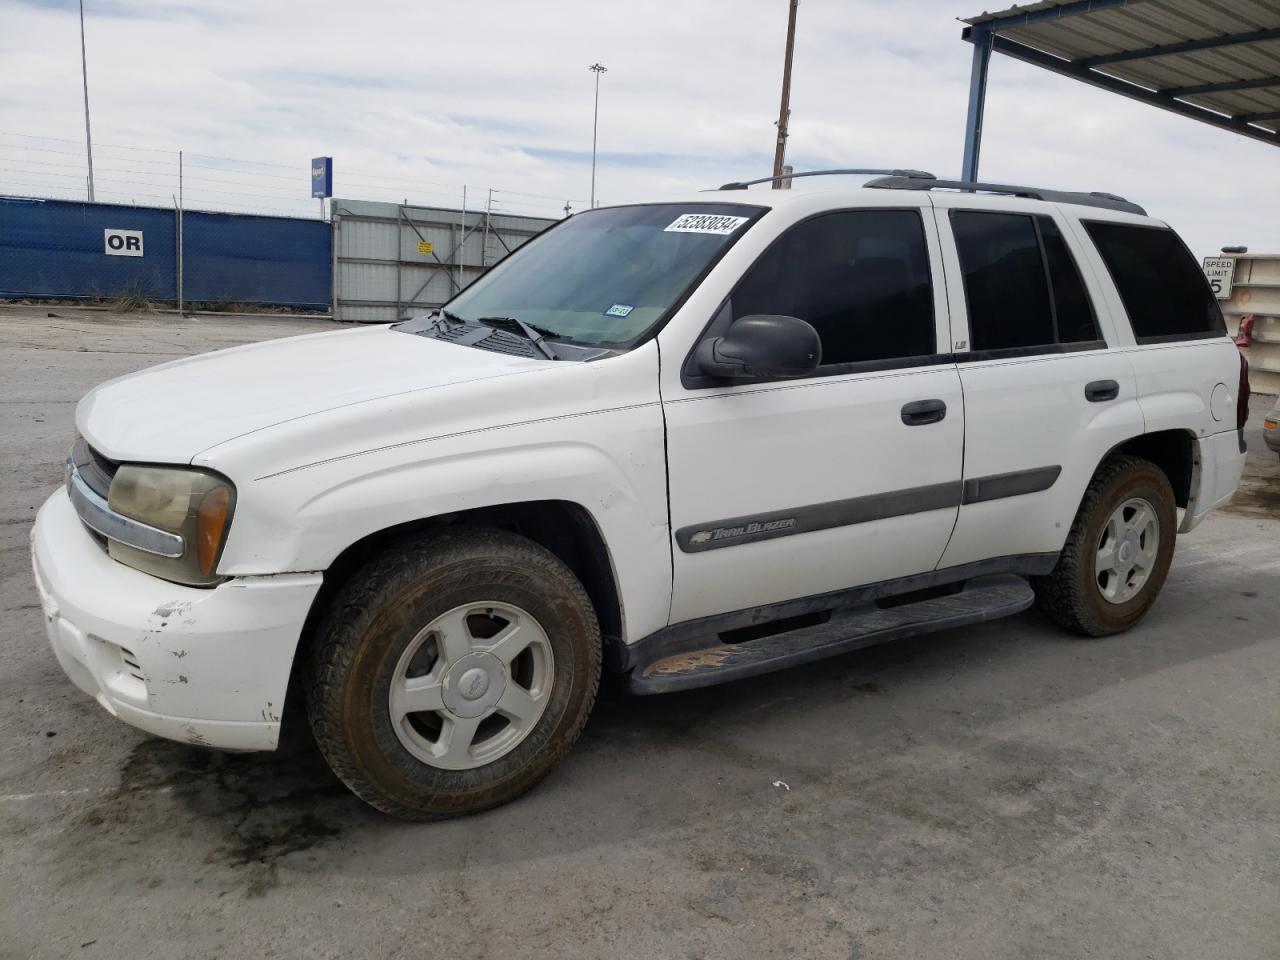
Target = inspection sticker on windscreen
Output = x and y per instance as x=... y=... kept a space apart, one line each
x=705 y=223
x=620 y=310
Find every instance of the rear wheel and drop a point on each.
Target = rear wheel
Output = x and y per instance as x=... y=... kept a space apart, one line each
x=1118 y=552
x=453 y=673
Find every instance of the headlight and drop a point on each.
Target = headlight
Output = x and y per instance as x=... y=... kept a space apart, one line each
x=195 y=504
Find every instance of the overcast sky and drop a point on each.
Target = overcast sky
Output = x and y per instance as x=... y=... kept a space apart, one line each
x=415 y=99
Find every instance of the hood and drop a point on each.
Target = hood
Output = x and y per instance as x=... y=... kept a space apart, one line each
x=169 y=413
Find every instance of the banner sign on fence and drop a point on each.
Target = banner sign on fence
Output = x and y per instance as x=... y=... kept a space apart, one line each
x=121 y=243
x=72 y=249
x=322 y=177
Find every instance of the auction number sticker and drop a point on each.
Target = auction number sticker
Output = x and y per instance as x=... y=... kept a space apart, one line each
x=705 y=223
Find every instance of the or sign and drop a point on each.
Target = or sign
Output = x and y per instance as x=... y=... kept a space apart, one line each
x=1220 y=271
x=424 y=246
x=122 y=243
x=322 y=177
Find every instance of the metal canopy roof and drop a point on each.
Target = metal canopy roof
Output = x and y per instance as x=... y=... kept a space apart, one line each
x=1217 y=61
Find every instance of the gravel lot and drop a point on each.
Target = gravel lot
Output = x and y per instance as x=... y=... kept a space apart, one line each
x=997 y=791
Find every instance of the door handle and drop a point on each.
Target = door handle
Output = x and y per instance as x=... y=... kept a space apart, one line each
x=1100 y=391
x=919 y=412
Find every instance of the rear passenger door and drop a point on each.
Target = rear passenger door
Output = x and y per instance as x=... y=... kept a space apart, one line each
x=1046 y=393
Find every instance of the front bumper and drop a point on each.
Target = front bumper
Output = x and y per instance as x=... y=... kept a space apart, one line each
x=201 y=666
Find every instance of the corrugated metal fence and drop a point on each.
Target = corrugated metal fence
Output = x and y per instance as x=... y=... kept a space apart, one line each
x=1255 y=293
x=69 y=249
x=395 y=260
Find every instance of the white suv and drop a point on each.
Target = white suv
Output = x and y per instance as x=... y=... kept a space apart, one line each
x=686 y=441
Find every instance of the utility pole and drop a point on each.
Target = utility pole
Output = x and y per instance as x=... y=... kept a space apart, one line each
x=784 y=112
x=84 y=74
x=597 y=69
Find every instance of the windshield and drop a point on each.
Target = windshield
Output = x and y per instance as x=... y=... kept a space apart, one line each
x=606 y=276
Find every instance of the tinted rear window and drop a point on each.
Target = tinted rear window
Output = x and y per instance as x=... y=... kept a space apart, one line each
x=1163 y=288
x=1004 y=280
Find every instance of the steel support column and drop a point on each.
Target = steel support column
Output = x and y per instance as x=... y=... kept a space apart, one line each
x=981 y=40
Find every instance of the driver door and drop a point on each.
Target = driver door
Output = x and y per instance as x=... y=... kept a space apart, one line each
x=787 y=489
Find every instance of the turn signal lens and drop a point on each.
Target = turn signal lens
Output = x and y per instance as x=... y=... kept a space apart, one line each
x=211 y=525
x=1271 y=424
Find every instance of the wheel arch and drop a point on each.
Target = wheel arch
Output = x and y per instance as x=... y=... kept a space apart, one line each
x=563 y=527
x=1173 y=451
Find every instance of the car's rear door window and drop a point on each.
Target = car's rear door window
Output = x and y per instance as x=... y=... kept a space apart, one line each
x=1022 y=287
x=1160 y=283
x=1074 y=317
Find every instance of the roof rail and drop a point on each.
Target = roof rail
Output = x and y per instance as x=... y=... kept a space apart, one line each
x=1108 y=201
x=907 y=174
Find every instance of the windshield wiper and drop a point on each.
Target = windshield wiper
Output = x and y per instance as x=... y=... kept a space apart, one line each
x=535 y=335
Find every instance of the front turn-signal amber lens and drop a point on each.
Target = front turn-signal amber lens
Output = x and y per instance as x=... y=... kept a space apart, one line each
x=211 y=525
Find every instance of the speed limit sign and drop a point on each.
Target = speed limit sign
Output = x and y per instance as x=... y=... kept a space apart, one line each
x=1219 y=271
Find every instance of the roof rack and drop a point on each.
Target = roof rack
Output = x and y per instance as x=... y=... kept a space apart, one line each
x=1108 y=201
x=903 y=174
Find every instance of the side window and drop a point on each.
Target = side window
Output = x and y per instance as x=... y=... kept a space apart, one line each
x=1072 y=308
x=1022 y=286
x=1004 y=280
x=1161 y=285
x=860 y=277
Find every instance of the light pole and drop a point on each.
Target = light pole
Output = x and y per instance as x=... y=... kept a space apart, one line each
x=84 y=74
x=597 y=69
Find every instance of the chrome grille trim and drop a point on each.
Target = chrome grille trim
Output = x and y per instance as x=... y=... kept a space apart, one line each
x=98 y=516
x=95 y=469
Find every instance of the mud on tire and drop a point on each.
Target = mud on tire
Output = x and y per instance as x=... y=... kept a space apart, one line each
x=365 y=641
x=1074 y=594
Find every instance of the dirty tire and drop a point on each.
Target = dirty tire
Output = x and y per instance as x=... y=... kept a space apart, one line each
x=374 y=618
x=1070 y=595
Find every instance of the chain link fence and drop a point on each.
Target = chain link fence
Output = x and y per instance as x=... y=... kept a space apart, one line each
x=195 y=231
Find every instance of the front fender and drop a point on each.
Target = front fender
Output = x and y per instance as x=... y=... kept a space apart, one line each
x=610 y=463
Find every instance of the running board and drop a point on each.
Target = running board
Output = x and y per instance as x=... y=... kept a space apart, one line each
x=852 y=628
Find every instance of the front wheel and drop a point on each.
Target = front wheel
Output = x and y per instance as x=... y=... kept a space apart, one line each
x=1118 y=552
x=453 y=673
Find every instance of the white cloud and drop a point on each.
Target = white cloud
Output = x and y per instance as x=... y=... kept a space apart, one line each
x=415 y=99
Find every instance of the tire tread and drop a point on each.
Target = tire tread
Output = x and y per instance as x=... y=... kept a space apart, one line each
x=355 y=607
x=1058 y=594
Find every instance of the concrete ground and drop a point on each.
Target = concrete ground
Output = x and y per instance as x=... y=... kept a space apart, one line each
x=997 y=791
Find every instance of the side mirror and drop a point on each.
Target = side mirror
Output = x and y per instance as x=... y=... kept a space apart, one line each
x=763 y=345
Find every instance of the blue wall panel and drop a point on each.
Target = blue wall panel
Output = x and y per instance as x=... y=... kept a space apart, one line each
x=54 y=248
x=256 y=259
